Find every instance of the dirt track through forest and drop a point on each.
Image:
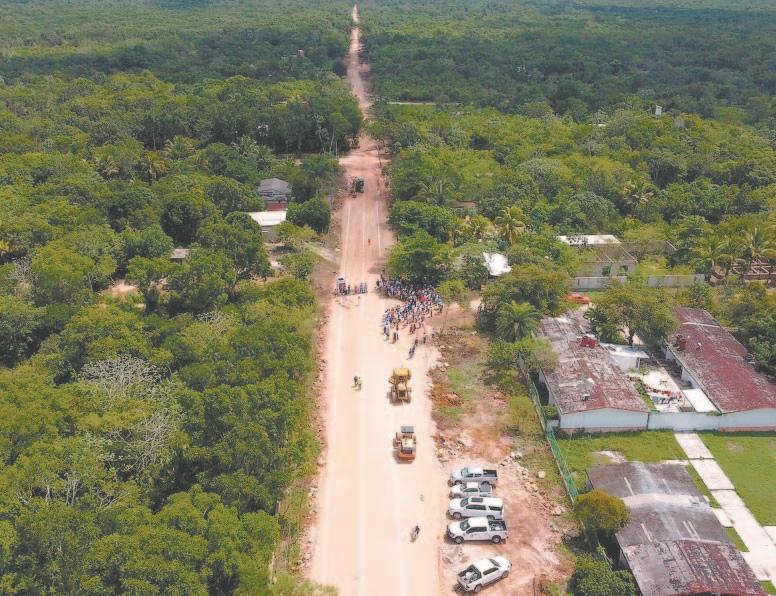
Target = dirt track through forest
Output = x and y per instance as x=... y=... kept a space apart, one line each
x=368 y=502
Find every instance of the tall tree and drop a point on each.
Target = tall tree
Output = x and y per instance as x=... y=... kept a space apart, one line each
x=516 y=320
x=511 y=224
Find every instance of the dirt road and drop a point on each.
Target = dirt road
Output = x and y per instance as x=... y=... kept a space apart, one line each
x=368 y=502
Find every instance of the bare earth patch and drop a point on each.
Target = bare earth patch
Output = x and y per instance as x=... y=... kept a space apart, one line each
x=473 y=422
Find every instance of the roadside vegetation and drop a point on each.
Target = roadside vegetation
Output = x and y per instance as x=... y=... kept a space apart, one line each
x=151 y=428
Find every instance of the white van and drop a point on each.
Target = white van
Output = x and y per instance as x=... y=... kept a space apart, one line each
x=489 y=507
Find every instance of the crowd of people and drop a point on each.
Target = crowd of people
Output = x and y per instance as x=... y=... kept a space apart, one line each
x=419 y=303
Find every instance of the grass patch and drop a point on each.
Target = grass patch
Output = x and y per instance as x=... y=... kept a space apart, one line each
x=749 y=460
x=768 y=587
x=736 y=540
x=648 y=446
x=702 y=487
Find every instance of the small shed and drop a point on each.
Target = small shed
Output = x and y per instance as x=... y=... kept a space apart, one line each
x=269 y=221
x=178 y=255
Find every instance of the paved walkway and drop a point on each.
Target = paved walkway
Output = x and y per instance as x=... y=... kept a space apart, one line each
x=760 y=541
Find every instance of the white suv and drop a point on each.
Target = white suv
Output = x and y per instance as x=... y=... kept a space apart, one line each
x=489 y=507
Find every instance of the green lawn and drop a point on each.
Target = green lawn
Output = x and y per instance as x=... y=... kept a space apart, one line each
x=749 y=460
x=736 y=540
x=582 y=451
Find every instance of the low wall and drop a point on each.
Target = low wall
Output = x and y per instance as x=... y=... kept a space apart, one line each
x=594 y=283
x=674 y=281
x=683 y=421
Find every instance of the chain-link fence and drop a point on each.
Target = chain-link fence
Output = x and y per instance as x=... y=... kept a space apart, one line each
x=549 y=432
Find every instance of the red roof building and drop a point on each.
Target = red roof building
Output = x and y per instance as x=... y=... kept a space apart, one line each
x=591 y=392
x=715 y=362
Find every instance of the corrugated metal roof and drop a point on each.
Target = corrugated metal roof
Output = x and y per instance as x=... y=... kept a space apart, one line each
x=690 y=567
x=674 y=544
x=717 y=361
x=569 y=383
x=274 y=185
x=268 y=218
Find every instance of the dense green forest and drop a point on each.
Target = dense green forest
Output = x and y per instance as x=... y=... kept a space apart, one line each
x=147 y=438
x=542 y=122
x=476 y=179
x=708 y=57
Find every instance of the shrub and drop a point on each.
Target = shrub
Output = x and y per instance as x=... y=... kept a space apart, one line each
x=595 y=578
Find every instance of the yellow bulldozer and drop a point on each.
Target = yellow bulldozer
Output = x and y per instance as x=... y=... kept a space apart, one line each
x=400 y=387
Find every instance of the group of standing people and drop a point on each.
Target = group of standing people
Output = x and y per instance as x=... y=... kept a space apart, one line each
x=348 y=290
x=419 y=303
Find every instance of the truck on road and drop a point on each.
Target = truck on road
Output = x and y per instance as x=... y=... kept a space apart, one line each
x=483 y=573
x=481 y=475
x=478 y=528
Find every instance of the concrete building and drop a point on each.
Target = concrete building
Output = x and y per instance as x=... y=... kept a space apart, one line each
x=674 y=544
x=719 y=374
x=604 y=259
x=269 y=221
x=590 y=390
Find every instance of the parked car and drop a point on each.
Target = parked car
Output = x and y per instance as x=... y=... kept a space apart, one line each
x=477 y=528
x=471 y=489
x=483 y=476
x=483 y=573
x=490 y=507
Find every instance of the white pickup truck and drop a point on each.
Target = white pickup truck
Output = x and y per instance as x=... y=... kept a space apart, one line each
x=483 y=573
x=477 y=528
x=471 y=489
x=480 y=475
x=490 y=507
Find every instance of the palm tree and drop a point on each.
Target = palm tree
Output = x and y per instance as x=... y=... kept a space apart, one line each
x=517 y=320
x=636 y=194
x=710 y=254
x=156 y=165
x=434 y=191
x=511 y=224
x=757 y=246
x=180 y=147
x=479 y=226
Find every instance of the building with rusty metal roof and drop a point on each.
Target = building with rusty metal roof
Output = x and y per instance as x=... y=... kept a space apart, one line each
x=591 y=392
x=716 y=363
x=673 y=543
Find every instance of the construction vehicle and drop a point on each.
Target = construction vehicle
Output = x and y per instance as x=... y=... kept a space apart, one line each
x=400 y=388
x=405 y=443
x=356 y=186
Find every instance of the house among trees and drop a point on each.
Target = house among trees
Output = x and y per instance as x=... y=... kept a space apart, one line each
x=179 y=254
x=269 y=222
x=673 y=544
x=589 y=388
x=275 y=192
x=716 y=365
x=604 y=258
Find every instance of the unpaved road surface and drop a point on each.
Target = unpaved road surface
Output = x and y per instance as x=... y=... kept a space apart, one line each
x=368 y=502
